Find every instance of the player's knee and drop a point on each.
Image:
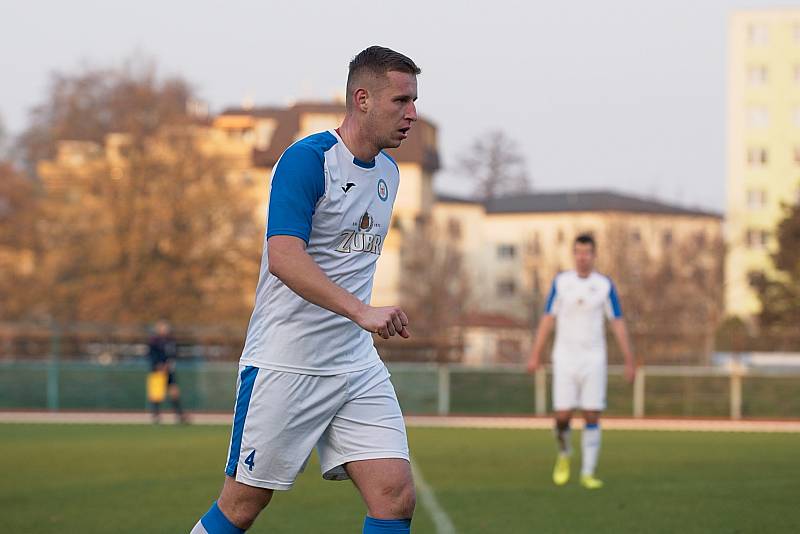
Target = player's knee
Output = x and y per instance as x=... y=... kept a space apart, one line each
x=241 y=513
x=405 y=500
x=397 y=502
x=562 y=422
x=242 y=505
x=592 y=417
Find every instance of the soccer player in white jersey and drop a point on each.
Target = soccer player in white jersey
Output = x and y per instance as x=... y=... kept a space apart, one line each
x=309 y=375
x=577 y=305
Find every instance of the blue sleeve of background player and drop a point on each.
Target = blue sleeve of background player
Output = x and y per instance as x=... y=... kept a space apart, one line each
x=613 y=298
x=297 y=185
x=549 y=307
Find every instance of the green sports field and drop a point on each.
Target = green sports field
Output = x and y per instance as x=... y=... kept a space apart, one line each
x=142 y=479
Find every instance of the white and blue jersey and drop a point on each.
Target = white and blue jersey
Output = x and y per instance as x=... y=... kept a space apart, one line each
x=341 y=207
x=580 y=306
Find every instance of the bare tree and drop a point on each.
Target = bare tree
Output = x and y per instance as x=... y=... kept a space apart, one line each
x=434 y=286
x=673 y=300
x=19 y=209
x=496 y=166
x=147 y=226
x=88 y=104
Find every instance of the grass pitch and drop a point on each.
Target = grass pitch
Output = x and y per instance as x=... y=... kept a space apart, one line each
x=135 y=479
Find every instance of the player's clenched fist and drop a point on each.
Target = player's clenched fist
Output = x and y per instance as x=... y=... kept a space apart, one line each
x=386 y=321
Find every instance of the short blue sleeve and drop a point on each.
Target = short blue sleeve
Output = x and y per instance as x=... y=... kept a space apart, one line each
x=613 y=298
x=297 y=185
x=549 y=307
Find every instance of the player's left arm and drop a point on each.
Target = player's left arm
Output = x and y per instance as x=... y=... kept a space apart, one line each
x=623 y=340
x=620 y=331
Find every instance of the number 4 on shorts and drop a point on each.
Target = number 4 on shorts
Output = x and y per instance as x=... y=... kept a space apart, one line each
x=250 y=461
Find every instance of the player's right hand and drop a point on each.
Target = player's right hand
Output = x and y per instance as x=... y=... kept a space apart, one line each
x=386 y=321
x=533 y=364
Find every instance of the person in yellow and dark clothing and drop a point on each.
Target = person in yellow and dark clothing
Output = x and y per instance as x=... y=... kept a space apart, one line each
x=163 y=351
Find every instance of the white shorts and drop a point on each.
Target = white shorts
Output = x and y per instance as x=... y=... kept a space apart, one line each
x=280 y=417
x=579 y=383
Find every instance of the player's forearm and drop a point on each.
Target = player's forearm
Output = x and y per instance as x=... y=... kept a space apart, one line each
x=621 y=333
x=542 y=333
x=298 y=271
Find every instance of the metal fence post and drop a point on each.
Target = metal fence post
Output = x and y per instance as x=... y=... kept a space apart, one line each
x=736 y=390
x=444 y=390
x=638 y=392
x=540 y=378
x=53 y=370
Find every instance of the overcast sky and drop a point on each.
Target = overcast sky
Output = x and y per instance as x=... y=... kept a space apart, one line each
x=623 y=94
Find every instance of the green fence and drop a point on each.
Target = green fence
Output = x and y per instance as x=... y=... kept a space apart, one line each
x=422 y=389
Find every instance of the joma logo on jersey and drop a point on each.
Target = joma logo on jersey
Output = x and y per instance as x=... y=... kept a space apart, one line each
x=353 y=241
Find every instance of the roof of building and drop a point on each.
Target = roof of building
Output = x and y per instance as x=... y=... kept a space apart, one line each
x=580 y=201
x=413 y=150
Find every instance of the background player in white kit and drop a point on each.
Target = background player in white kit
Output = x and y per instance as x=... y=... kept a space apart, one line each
x=309 y=374
x=578 y=303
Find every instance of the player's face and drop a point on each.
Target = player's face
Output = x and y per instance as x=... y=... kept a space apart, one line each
x=584 y=257
x=392 y=109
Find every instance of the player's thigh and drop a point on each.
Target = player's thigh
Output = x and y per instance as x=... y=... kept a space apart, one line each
x=278 y=419
x=593 y=388
x=369 y=426
x=566 y=388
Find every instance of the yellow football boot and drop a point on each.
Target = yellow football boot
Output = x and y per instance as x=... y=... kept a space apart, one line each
x=590 y=482
x=561 y=470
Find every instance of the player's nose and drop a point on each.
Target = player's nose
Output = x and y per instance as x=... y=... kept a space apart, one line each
x=411 y=112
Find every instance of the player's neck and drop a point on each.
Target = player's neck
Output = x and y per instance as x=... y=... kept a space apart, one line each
x=584 y=274
x=355 y=141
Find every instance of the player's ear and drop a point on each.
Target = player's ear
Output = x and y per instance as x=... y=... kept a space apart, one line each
x=361 y=97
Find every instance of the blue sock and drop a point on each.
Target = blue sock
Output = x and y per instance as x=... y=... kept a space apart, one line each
x=215 y=522
x=386 y=526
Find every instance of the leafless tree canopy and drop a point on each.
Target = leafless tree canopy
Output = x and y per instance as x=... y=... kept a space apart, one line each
x=673 y=301
x=434 y=285
x=88 y=104
x=154 y=229
x=496 y=167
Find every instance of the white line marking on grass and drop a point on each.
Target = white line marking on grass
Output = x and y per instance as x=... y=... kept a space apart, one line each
x=428 y=501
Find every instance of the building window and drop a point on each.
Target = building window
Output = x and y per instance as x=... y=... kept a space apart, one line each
x=757 y=75
x=506 y=288
x=756 y=198
x=534 y=246
x=666 y=238
x=756 y=157
x=560 y=236
x=757 y=239
x=454 y=228
x=636 y=236
x=757 y=34
x=700 y=239
x=506 y=251
x=757 y=117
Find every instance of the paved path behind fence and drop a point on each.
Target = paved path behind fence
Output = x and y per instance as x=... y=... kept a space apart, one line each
x=609 y=423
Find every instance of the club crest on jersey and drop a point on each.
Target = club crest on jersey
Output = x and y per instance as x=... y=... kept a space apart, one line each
x=366 y=222
x=383 y=190
x=360 y=240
